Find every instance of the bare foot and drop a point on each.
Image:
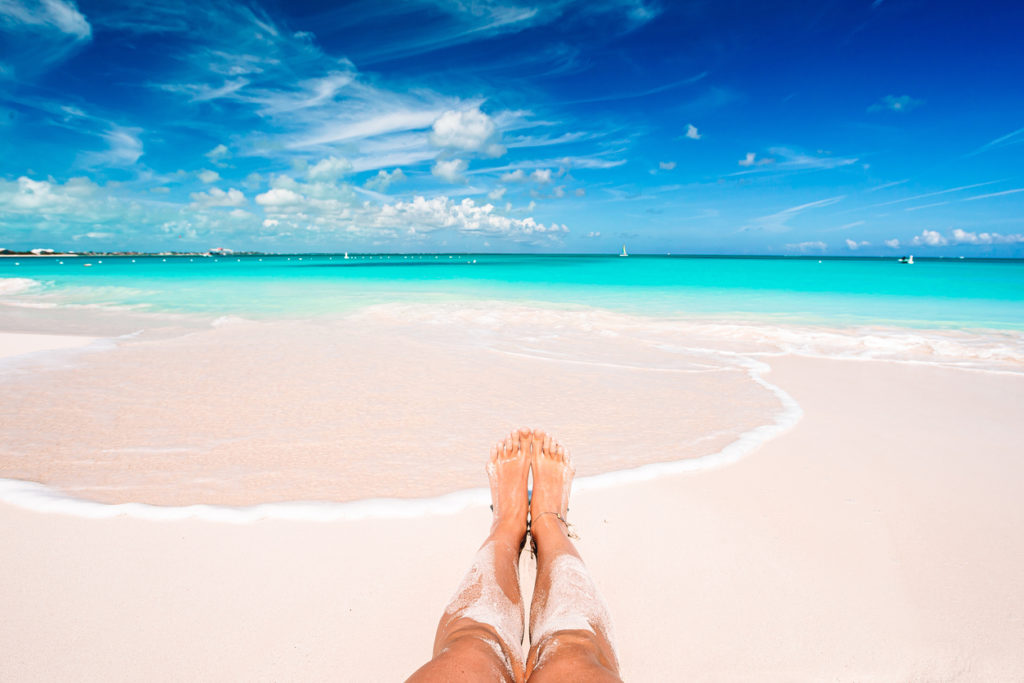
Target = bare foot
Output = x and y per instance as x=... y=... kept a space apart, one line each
x=509 y=473
x=552 y=481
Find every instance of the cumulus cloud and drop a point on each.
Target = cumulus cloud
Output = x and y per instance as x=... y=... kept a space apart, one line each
x=330 y=168
x=541 y=176
x=929 y=238
x=465 y=216
x=854 y=245
x=897 y=103
x=497 y=193
x=516 y=176
x=751 y=160
x=451 y=170
x=691 y=132
x=217 y=197
x=593 y=234
x=279 y=196
x=31 y=196
x=966 y=237
x=666 y=165
x=271 y=222
x=208 y=176
x=893 y=243
x=383 y=180
x=469 y=130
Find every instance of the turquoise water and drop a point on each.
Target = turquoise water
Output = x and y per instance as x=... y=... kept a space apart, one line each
x=930 y=293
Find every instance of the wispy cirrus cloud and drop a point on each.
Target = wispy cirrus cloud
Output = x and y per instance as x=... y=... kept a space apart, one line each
x=779 y=221
x=950 y=190
x=37 y=35
x=1015 y=137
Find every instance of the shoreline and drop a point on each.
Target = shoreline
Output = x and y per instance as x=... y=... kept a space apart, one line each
x=29 y=492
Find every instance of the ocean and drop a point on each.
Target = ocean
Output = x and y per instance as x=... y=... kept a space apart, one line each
x=932 y=293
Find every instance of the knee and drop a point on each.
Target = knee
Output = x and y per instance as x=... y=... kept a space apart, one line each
x=572 y=656
x=470 y=642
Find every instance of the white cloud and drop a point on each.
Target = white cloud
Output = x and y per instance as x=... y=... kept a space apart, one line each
x=691 y=132
x=271 y=223
x=751 y=160
x=808 y=246
x=497 y=193
x=217 y=197
x=897 y=103
x=51 y=14
x=965 y=237
x=580 y=192
x=893 y=243
x=383 y=180
x=593 y=234
x=994 y=194
x=666 y=165
x=541 y=176
x=218 y=154
x=44 y=196
x=469 y=130
x=330 y=168
x=778 y=221
x=854 y=245
x=451 y=170
x=795 y=159
x=208 y=176
x=465 y=216
x=929 y=238
x=37 y=34
x=279 y=196
x=516 y=176
x=123 y=148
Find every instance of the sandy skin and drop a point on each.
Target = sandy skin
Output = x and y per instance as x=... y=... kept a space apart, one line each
x=480 y=634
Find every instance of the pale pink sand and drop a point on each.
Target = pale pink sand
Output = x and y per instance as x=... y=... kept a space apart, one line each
x=16 y=344
x=878 y=540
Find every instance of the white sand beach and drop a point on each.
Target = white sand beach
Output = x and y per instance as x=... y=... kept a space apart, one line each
x=879 y=539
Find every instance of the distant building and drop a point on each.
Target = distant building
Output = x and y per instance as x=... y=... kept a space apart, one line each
x=40 y=252
x=221 y=251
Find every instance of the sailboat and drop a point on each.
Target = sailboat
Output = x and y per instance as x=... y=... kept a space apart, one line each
x=623 y=251
x=907 y=259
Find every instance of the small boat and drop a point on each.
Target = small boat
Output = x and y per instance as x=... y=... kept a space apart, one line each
x=623 y=251
x=909 y=260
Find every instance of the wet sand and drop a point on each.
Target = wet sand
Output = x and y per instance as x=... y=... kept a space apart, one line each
x=246 y=412
x=877 y=540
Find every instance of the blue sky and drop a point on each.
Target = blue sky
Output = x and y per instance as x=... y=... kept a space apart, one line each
x=867 y=127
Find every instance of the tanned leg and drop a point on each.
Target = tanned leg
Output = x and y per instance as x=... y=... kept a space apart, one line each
x=569 y=625
x=481 y=633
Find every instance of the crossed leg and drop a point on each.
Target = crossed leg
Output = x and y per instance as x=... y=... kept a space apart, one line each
x=570 y=637
x=480 y=635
